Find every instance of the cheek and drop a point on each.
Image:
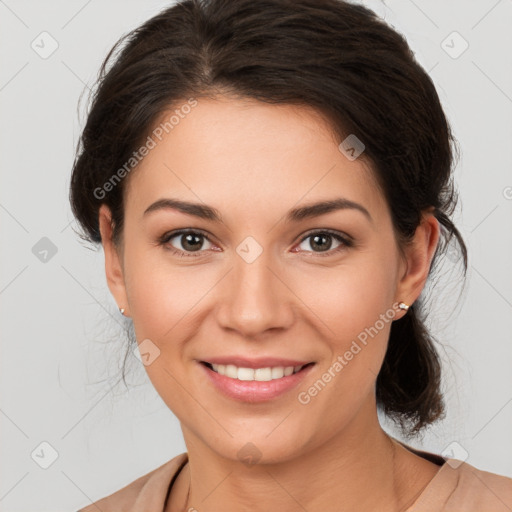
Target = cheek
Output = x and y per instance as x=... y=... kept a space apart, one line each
x=354 y=313
x=164 y=300
x=161 y=294
x=350 y=297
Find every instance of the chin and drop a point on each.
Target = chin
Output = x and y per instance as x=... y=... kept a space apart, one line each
x=260 y=447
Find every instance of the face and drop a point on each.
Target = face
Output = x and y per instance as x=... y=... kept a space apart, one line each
x=258 y=282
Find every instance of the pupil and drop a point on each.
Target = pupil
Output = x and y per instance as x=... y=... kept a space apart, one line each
x=321 y=237
x=188 y=242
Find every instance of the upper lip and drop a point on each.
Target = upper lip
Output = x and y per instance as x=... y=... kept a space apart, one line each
x=260 y=362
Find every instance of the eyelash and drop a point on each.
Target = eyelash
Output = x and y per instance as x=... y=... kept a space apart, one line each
x=346 y=242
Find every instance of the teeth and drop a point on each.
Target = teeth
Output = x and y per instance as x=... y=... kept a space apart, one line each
x=259 y=374
x=231 y=371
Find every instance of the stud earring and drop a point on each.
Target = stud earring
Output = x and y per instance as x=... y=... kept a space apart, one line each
x=121 y=310
x=403 y=305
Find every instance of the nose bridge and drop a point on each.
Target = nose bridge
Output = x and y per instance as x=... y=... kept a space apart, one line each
x=255 y=299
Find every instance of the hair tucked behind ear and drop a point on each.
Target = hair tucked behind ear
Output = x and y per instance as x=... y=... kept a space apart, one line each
x=332 y=55
x=408 y=385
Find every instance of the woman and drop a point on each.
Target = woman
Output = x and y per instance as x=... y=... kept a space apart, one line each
x=271 y=184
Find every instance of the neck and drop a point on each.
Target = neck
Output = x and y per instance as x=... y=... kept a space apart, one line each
x=343 y=470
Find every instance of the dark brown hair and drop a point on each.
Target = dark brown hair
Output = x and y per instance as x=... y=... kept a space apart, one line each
x=337 y=57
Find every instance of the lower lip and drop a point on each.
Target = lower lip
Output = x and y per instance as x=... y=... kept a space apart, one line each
x=254 y=391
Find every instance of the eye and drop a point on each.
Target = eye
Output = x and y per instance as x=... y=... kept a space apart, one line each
x=322 y=240
x=190 y=242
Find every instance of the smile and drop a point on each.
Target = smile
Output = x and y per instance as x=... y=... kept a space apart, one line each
x=259 y=374
x=254 y=385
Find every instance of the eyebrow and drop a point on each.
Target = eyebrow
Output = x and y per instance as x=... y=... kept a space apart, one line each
x=206 y=212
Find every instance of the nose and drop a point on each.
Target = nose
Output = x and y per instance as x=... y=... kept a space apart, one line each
x=256 y=297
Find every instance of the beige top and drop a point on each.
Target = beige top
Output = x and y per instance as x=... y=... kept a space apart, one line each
x=457 y=487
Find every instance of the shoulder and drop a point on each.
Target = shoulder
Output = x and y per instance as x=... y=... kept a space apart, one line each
x=148 y=490
x=459 y=486
x=481 y=490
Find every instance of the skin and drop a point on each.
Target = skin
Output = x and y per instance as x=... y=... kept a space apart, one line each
x=253 y=162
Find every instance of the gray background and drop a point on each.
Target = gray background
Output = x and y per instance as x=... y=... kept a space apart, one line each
x=61 y=333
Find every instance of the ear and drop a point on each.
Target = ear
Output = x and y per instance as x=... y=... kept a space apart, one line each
x=113 y=260
x=418 y=258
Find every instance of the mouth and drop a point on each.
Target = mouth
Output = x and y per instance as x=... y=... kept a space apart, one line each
x=254 y=385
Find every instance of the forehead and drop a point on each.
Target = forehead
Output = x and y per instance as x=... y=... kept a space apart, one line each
x=252 y=154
